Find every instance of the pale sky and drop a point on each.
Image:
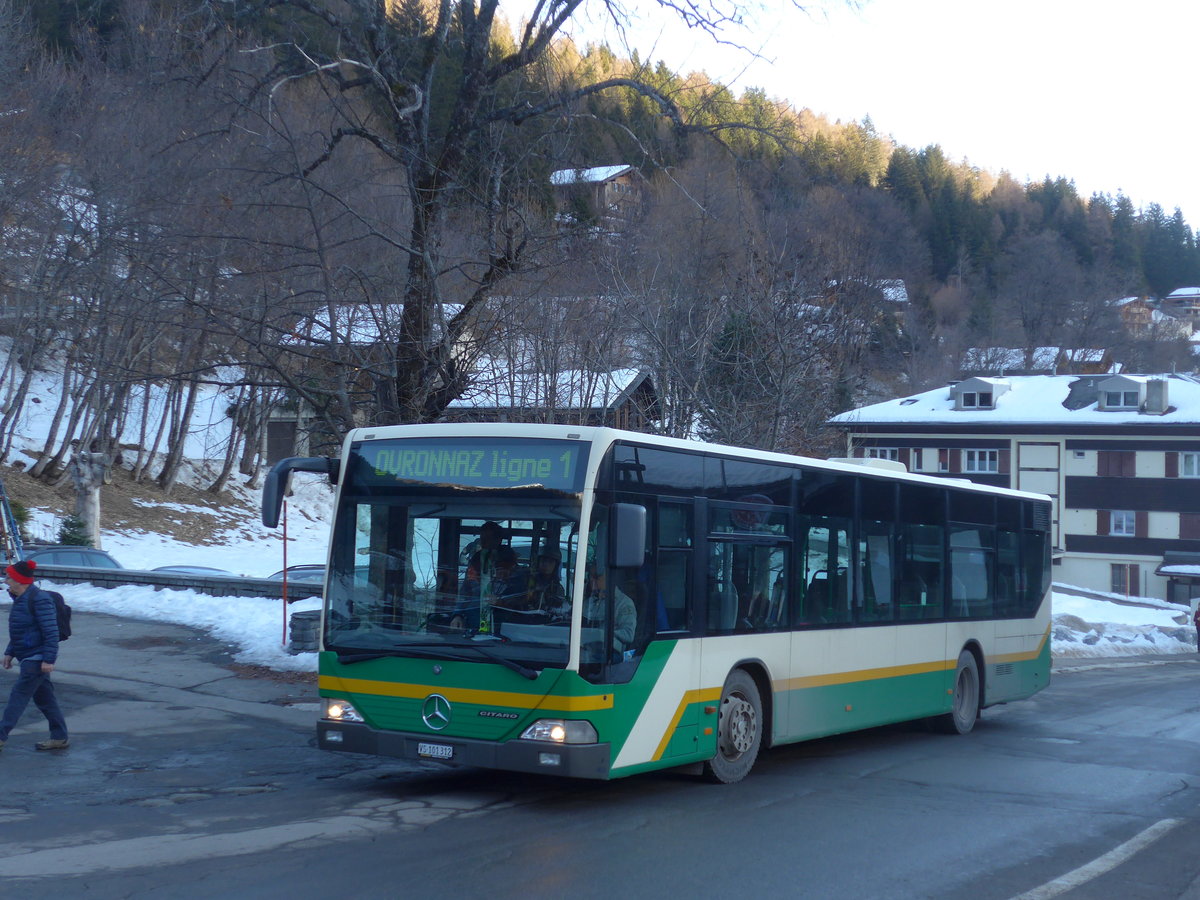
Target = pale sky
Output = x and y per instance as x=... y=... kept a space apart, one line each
x=1099 y=92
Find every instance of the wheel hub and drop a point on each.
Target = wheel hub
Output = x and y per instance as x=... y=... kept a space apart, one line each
x=738 y=726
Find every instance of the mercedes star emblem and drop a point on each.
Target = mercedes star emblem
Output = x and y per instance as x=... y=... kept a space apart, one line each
x=435 y=712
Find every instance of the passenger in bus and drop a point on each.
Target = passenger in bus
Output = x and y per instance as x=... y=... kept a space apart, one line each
x=545 y=591
x=624 y=610
x=509 y=581
x=505 y=588
x=482 y=564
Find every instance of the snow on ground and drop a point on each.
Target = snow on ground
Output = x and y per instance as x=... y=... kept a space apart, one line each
x=1085 y=627
x=245 y=546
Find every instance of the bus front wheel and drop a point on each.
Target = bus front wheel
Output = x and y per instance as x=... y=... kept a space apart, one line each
x=739 y=729
x=966 y=697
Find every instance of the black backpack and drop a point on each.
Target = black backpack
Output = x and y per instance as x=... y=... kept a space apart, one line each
x=63 y=611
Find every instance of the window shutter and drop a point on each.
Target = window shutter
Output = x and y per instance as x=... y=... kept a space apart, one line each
x=1128 y=464
x=1102 y=463
x=1103 y=519
x=1141 y=523
x=943 y=460
x=1172 y=464
x=956 y=462
x=1004 y=455
x=1189 y=526
x=902 y=456
x=860 y=452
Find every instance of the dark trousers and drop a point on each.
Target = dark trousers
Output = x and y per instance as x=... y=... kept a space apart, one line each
x=33 y=684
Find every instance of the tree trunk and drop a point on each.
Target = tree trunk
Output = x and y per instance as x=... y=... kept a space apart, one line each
x=88 y=471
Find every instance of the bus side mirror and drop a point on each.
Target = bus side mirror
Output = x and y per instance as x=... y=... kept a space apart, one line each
x=627 y=534
x=275 y=485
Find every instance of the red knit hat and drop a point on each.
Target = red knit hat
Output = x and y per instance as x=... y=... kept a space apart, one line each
x=22 y=572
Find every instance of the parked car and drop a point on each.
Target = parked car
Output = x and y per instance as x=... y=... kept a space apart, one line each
x=301 y=573
x=70 y=555
x=193 y=570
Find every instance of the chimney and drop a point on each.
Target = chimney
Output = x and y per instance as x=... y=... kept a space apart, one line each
x=1156 y=396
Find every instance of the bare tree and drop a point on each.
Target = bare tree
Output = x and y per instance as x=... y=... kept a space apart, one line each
x=1039 y=278
x=430 y=96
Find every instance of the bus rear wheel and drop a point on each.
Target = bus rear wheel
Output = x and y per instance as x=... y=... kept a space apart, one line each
x=961 y=719
x=739 y=729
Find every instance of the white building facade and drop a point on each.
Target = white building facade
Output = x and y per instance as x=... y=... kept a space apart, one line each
x=1119 y=456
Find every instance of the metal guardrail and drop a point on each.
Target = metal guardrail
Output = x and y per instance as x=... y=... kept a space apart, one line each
x=213 y=585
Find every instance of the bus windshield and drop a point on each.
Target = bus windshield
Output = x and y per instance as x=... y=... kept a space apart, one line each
x=441 y=577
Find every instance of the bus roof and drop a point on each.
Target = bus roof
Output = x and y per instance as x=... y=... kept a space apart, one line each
x=604 y=437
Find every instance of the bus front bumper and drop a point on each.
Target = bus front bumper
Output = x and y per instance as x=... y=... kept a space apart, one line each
x=544 y=757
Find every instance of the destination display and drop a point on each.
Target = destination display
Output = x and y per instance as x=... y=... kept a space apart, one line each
x=471 y=462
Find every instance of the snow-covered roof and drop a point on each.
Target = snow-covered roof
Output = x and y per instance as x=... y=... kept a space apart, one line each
x=1030 y=400
x=1193 y=571
x=986 y=380
x=594 y=175
x=894 y=290
x=1184 y=293
x=1135 y=379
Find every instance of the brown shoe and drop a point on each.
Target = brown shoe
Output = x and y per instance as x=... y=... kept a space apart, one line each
x=53 y=744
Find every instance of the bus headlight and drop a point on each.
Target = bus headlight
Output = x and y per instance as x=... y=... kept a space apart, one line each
x=561 y=731
x=338 y=710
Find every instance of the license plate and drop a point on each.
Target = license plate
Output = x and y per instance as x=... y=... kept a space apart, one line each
x=435 y=751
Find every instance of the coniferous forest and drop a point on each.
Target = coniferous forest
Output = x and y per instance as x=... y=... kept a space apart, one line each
x=347 y=208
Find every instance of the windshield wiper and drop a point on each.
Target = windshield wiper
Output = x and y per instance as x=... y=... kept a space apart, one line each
x=348 y=658
x=524 y=671
x=504 y=661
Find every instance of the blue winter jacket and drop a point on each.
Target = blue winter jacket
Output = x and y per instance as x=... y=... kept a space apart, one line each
x=33 y=626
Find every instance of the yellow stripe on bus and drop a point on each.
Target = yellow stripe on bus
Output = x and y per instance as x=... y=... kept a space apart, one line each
x=806 y=681
x=464 y=695
x=700 y=696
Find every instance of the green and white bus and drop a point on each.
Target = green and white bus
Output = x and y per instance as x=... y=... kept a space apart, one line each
x=708 y=601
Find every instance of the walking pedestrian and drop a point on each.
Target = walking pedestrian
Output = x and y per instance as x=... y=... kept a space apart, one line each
x=1196 y=622
x=33 y=643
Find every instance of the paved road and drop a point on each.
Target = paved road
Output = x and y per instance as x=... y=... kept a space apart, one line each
x=154 y=710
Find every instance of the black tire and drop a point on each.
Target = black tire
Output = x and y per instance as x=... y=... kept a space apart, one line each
x=739 y=730
x=968 y=695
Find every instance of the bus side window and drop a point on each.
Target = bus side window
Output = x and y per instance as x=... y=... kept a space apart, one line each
x=746 y=586
x=673 y=574
x=1008 y=573
x=921 y=568
x=824 y=565
x=673 y=579
x=874 y=583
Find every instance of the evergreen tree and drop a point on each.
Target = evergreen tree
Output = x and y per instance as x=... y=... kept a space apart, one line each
x=73 y=530
x=1127 y=254
x=903 y=180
